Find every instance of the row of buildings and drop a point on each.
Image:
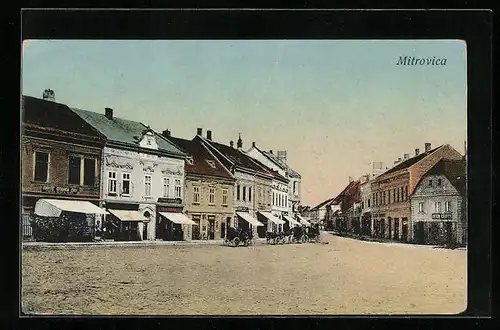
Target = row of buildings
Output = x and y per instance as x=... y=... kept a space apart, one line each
x=420 y=199
x=134 y=183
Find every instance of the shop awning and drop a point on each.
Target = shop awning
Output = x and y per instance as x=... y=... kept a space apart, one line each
x=127 y=215
x=272 y=218
x=248 y=218
x=304 y=221
x=178 y=218
x=54 y=207
x=292 y=220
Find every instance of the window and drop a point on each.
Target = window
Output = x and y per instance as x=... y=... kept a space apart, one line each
x=406 y=192
x=295 y=187
x=421 y=207
x=368 y=202
x=147 y=185
x=399 y=197
x=439 y=182
x=249 y=194
x=74 y=169
x=211 y=163
x=385 y=193
x=166 y=187
x=238 y=192
x=402 y=194
x=430 y=182
x=41 y=166
x=189 y=160
x=211 y=196
x=274 y=198
x=244 y=193
x=437 y=207
x=224 y=196
x=447 y=206
x=89 y=171
x=260 y=195
x=196 y=195
x=126 y=183
x=112 y=183
x=178 y=189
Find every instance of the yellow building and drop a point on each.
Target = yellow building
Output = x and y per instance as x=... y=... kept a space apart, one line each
x=208 y=191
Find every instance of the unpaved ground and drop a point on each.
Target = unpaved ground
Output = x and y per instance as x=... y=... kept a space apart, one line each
x=343 y=277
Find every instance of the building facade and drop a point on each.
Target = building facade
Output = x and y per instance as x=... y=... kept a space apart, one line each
x=253 y=187
x=142 y=179
x=438 y=204
x=278 y=162
x=391 y=190
x=60 y=156
x=209 y=189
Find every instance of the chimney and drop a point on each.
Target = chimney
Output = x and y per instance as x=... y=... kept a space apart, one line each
x=417 y=151
x=199 y=131
x=427 y=147
x=253 y=144
x=166 y=133
x=282 y=156
x=209 y=135
x=231 y=144
x=108 y=112
x=399 y=159
x=406 y=156
x=350 y=179
x=49 y=95
x=240 y=142
x=270 y=151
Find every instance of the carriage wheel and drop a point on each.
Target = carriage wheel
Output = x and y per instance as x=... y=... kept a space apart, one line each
x=236 y=241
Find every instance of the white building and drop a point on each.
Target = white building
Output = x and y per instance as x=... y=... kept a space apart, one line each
x=142 y=179
x=286 y=200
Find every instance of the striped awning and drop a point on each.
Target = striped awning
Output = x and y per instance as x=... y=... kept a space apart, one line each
x=54 y=207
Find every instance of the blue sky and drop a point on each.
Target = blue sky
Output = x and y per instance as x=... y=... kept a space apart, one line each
x=334 y=105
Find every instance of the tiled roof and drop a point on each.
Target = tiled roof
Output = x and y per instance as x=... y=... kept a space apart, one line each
x=454 y=170
x=320 y=205
x=238 y=158
x=124 y=131
x=54 y=115
x=200 y=155
x=350 y=195
x=409 y=162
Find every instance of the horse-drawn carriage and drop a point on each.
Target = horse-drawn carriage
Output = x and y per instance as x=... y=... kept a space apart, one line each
x=279 y=237
x=238 y=236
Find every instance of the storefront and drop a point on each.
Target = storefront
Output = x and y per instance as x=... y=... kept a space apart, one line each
x=247 y=222
x=84 y=217
x=290 y=222
x=175 y=226
x=128 y=225
x=273 y=223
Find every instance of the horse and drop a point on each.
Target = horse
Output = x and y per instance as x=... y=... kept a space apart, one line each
x=271 y=237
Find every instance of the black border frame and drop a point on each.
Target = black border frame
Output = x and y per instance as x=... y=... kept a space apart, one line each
x=473 y=26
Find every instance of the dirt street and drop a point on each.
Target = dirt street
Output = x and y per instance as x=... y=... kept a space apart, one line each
x=343 y=277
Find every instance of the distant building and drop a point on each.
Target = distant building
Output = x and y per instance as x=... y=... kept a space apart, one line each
x=61 y=159
x=390 y=206
x=209 y=189
x=318 y=213
x=438 y=204
x=377 y=168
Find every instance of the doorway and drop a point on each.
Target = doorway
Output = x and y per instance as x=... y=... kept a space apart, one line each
x=222 y=230
x=211 y=227
x=404 y=228
x=145 y=231
x=419 y=232
x=396 y=229
x=390 y=228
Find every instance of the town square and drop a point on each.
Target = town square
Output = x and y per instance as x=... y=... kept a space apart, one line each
x=233 y=177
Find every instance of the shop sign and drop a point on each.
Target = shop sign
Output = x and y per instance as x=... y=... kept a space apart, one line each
x=242 y=209
x=169 y=200
x=61 y=190
x=444 y=216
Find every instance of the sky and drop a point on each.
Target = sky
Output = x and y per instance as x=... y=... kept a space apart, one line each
x=333 y=105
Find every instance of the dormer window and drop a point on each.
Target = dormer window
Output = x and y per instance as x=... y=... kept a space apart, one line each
x=211 y=163
x=189 y=160
x=149 y=141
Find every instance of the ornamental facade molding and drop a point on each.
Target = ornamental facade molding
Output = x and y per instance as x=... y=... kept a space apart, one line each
x=113 y=163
